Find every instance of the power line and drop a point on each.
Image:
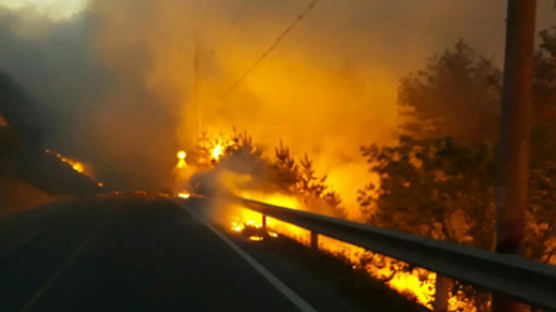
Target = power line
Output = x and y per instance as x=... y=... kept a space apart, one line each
x=271 y=48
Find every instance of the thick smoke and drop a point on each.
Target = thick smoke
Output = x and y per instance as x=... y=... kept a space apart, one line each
x=114 y=85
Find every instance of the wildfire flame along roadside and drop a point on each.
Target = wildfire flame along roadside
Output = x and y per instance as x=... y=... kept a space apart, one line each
x=75 y=165
x=415 y=283
x=216 y=152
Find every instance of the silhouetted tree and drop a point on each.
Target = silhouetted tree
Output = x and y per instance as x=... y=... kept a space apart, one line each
x=285 y=169
x=282 y=173
x=540 y=239
x=11 y=143
x=444 y=188
x=433 y=187
x=457 y=94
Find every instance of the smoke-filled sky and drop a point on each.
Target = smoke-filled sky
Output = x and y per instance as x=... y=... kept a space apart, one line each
x=113 y=79
x=53 y=9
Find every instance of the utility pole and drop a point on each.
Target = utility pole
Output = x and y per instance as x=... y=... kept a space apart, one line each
x=517 y=112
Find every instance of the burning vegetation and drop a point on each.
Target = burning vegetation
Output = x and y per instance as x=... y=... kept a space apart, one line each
x=76 y=165
x=438 y=180
x=242 y=170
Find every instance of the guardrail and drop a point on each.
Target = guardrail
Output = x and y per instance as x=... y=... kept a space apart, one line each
x=525 y=280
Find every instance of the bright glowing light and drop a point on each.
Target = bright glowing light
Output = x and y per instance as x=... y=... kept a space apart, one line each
x=181 y=159
x=214 y=145
x=277 y=199
x=417 y=283
x=216 y=152
x=252 y=223
x=237 y=228
x=184 y=195
x=414 y=283
x=181 y=154
x=247 y=218
x=100 y=184
x=75 y=165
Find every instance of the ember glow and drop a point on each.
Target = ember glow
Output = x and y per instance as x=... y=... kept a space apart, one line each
x=216 y=152
x=246 y=218
x=181 y=159
x=78 y=166
x=416 y=283
x=276 y=226
x=134 y=84
x=184 y=195
x=212 y=145
x=75 y=165
x=181 y=155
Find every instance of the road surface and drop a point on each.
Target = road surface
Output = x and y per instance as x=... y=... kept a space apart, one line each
x=141 y=253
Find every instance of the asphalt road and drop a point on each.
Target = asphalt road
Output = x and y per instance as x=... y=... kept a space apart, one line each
x=135 y=253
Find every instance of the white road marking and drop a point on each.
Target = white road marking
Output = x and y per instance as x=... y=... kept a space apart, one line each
x=299 y=302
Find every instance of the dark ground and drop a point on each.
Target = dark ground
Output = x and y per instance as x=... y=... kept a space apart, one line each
x=141 y=253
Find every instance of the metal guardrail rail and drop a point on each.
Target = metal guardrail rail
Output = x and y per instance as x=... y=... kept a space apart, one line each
x=525 y=280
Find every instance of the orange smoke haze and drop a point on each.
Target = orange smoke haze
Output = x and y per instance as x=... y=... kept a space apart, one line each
x=122 y=85
x=328 y=88
x=310 y=96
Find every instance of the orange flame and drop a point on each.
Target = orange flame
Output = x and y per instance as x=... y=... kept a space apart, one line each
x=416 y=283
x=75 y=165
x=181 y=159
x=184 y=195
x=216 y=152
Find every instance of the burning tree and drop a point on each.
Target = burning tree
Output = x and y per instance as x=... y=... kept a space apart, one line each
x=301 y=179
x=281 y=173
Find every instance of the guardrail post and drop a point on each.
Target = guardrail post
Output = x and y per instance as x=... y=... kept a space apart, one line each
x=442 y=293
x=314 y=240
x=264 y=222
